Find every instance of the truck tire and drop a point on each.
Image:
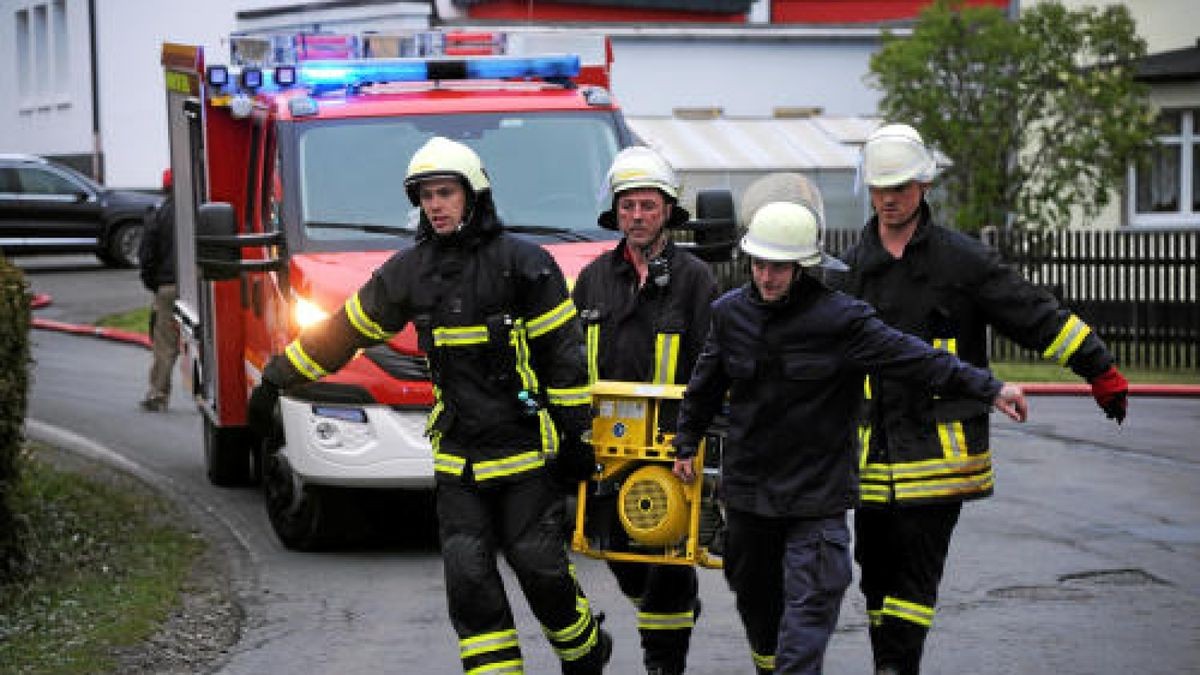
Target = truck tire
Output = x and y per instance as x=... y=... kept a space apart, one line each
x=227 y=455
x=304 y=517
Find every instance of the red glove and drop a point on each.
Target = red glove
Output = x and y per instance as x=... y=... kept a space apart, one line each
x=1111 y=391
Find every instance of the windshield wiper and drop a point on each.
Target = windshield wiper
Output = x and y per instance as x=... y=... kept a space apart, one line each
x=373 y=228
x=560 y=233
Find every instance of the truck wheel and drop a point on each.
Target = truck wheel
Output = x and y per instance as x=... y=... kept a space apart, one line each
x=304 y=517
x=123 y=246
x=227 y=455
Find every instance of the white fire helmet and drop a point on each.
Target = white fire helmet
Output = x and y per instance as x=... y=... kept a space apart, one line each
x=443 y=158
x=641 y=167
x=787 y=232
x=779 y=186
x=894 y=155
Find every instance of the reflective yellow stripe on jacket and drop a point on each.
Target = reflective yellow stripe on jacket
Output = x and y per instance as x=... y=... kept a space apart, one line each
x=955 y=474
x=1068 y=340
x=362 y=322
x=302 y=362
x=666 y=357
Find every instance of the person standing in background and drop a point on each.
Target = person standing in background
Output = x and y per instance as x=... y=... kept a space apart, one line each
x=156 y=258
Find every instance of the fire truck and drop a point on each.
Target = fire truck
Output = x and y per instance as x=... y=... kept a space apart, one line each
x=288 y=167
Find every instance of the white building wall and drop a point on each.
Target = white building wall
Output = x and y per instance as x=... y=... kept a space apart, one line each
x=1163 y=24
x=745 y=77
x=44 y=77
x=130 y=34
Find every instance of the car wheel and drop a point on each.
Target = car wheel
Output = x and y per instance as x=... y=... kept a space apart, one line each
x=227 y=458
x=123 y=246
x=304 y=517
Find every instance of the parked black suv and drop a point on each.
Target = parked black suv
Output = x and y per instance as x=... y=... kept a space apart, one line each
x=50 y=208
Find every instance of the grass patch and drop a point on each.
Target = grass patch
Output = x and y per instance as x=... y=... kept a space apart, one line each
x=1049 y=372
x=106 y=564
x=137 y=320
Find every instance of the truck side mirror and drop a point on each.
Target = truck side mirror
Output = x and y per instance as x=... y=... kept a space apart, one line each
x=714 y=227
x=216 y=259
x=219 y=246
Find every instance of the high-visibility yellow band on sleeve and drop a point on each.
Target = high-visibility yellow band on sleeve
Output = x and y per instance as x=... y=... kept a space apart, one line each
x=302 y=362
x=362 y=322
x=1068 y=340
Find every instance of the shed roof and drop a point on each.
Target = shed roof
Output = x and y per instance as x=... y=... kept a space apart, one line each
x=817 y=143
x=1179 y=65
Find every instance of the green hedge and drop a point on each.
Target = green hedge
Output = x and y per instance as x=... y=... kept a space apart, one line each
x=14 y=380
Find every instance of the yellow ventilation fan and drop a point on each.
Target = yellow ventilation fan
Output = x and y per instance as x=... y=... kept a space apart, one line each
x=653 y=507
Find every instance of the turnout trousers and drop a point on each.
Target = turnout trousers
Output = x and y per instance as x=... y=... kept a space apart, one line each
x=524 y=521
x=788 y=576
x=667 y=604
x=901 y=552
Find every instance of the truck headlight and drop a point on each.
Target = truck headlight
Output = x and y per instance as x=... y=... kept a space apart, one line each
x=307 y=313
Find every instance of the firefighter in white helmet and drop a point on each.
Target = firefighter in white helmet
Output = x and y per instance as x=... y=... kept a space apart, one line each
x=511 y=408
x=645 y=309
x=926 y=455
x=790 y=354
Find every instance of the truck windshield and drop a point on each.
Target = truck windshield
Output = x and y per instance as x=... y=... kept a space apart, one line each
x=547 y=171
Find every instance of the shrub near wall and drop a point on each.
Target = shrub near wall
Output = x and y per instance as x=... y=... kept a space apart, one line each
x=14 y=377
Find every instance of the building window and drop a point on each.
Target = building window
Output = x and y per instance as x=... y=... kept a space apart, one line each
x=43 y=64
x=1165 y=187
x=24 y=56
x=58 y=24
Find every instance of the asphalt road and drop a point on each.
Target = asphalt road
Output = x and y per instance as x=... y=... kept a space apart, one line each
x=1087 y=561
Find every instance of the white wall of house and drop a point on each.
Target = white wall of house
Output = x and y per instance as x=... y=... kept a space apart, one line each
x=746 y=73
x=1163 y=24
x=132 y=105
x=44 y=77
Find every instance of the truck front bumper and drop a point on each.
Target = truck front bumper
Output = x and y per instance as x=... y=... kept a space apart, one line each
x=355 y=445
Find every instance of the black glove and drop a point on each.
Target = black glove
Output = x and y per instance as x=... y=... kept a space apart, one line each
x=260 y=410
x=575 y=461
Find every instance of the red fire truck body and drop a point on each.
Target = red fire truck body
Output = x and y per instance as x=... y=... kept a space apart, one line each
x=288 y=174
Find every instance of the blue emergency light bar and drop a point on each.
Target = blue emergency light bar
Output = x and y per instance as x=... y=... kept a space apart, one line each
x=358 y=72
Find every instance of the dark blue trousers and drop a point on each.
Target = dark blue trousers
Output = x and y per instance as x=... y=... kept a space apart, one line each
x=789 y=576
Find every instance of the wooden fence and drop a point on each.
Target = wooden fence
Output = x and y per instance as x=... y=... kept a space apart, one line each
x=1139 y=290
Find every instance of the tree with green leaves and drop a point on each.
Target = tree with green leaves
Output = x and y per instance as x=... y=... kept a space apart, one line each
x=1040 y=116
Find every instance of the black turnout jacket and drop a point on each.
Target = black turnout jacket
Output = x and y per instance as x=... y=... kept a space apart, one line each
x=794 y=371
x=947 y=289
x=649 y=334
x=501 y=334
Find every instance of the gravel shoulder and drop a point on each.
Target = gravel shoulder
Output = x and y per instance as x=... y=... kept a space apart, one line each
x=207 y=619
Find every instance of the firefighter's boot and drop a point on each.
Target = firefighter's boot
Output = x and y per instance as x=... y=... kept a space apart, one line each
x=594 y=661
